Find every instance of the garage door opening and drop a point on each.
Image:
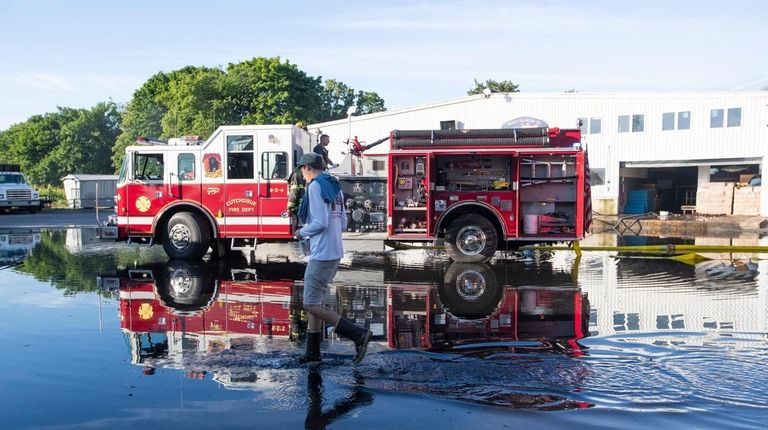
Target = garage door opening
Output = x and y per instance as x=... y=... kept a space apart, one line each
x=657 y=189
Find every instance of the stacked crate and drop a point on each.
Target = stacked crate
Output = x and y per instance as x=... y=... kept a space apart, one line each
x=746 y=201
x=715 y=198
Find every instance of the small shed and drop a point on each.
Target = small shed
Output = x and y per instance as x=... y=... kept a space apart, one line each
x=89 y=191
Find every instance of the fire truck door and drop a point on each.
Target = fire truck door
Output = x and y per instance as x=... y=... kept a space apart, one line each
x=273 y=171
x=241 y=203
x=146 y=190
x=184 y=177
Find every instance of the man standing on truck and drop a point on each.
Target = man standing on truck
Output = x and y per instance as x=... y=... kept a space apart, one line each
x=322 y=213
x=321 y=148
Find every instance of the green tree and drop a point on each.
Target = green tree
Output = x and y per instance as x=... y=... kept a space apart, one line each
x=494 y=86
x=336 y=97
x=197 y=100
x=142 y=116
x=369 y=102
x=268 y=91
x=192 y=98
x=50 y=146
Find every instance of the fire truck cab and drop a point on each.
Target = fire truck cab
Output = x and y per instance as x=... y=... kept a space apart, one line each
x=225 y=193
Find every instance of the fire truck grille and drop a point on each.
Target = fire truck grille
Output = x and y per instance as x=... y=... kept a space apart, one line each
x=19 y=239
x=19 y=194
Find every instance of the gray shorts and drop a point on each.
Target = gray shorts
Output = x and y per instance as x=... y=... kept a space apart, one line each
x=317 y=276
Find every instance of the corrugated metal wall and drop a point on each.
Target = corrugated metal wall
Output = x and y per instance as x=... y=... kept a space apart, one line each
x=607 y=149
x=82 y=192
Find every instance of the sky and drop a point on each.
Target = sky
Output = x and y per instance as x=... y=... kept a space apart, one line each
x=78 y=53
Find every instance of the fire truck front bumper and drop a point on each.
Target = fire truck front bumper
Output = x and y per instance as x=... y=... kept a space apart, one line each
x=109 y=229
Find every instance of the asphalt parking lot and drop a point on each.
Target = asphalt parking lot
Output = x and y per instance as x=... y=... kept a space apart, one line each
x=53 y=218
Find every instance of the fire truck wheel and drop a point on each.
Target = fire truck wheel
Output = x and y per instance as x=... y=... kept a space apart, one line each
x=470 y=290
x=187 y=236
x=186 y=286
x=471 y=239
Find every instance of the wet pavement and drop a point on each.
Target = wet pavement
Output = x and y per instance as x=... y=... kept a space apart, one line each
x=105 y=335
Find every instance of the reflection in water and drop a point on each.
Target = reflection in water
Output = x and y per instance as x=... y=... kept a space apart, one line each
x=15 y=245
x=318 y=416
x=210 y=317
x=680 y=343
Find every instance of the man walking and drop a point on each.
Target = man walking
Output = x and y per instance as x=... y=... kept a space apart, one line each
x=322 y=212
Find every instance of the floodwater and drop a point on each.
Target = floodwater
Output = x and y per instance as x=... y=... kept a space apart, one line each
x=100 y=335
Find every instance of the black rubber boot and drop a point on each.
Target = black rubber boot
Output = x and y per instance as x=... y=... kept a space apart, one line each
x=356 y=334
x=312 y=356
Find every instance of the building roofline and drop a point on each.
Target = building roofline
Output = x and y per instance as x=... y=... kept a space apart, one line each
x=523 y=95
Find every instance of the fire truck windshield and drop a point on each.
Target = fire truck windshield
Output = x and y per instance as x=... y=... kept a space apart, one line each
x=12 y=178
x=123 y=170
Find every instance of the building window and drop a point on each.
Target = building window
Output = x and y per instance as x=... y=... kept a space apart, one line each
x=716 y=118
x=684 y=120
x=738 y=173
x=595 y=125
x=186 y=167
x=590 y=125
x=597 y=176
x=274 y=165
x=448 y=125
x=240 y=157
x=638 y=123
x=668 y=121
x=623 y=123
x=583 y=125
x=734 y=117
x=377 y=165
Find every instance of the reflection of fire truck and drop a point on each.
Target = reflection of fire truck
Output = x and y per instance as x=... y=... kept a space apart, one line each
x=471 y=306
x=185 y=307
x=478 y=190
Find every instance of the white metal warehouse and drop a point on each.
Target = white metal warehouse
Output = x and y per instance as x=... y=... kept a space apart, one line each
x=692 y=149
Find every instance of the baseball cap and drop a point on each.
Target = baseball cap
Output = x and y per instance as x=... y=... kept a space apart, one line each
x=308 y=158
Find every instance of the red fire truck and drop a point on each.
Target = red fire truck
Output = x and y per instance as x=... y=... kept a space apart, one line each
x=166 y=309
x=475 y=190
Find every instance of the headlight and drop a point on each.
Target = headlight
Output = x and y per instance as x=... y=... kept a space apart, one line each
x=35 y=195
x=3 y=238
x=2 y=196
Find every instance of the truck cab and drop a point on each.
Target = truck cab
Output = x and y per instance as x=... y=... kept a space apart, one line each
x=15 y=192
x=227 y=192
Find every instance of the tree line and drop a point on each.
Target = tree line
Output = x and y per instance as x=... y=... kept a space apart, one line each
x=188 y=101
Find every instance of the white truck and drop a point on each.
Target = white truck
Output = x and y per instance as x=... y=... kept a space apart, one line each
x=15 y=193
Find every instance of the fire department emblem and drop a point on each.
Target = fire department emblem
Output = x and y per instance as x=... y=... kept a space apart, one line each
x=212 y=165
x=143 y=204
x=213 y=190
x=145 y=311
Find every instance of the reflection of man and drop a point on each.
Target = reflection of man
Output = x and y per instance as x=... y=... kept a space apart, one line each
x=316 y=418
x=322 y=149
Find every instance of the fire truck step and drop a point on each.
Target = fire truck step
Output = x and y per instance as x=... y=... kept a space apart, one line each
x=243 y=244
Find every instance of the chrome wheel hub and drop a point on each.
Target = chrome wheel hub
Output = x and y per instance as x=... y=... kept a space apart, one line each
x=470 y=240
x=179 y=236
x=470 y=285
x=180 y=282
